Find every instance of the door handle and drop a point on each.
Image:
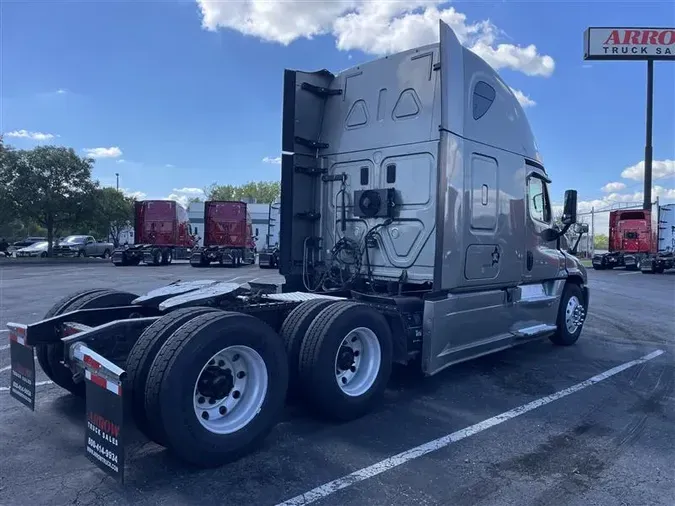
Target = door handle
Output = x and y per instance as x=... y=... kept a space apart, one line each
x=530 y=260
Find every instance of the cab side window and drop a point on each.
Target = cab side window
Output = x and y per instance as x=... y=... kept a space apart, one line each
x=538 y=202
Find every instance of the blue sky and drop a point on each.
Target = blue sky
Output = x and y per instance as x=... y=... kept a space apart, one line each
x=179 y=94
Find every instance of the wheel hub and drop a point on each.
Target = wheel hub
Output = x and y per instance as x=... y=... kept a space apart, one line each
x=574 y=315
x=345 y=359
x=230 y=389
x=357 y=361
x=215 y=383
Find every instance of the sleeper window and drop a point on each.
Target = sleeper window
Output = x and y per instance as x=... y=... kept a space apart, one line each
x=483 y=96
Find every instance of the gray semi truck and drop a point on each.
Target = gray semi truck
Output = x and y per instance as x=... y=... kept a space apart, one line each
x=415 y=228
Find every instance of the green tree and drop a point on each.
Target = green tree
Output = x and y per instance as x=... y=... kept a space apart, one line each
x=264 y=192
x=7 y=207
x=112 y=211
x=50 y=186
x=222 y=192
x=601 y=241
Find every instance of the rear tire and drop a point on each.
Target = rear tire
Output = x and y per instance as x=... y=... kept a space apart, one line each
x=42 y=350
x=293 y=332
x=346 y=360
x=52 y=354
x=143 y=354
x=174 y=395
x=106 y=255
x=167 y=257
x=571 y=316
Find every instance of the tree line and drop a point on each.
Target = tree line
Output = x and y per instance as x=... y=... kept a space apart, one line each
x=263 y=192
x=49 y=191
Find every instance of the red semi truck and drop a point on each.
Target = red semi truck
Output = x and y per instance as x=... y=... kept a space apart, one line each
x=162 y=231
x=631 y=237
x=228 y=235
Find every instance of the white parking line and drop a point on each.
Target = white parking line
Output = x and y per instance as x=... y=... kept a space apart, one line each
x=4 y=330
x=4 y=347
x=629 y=273
x=38 y=384
x=385 y=465
x=6 y=368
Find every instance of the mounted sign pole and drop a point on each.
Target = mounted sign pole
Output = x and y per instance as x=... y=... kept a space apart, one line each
x=634 y=44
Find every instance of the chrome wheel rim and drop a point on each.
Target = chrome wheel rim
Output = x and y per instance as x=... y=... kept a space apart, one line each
x=357 y=361
x=574 y=314
x=230 y=389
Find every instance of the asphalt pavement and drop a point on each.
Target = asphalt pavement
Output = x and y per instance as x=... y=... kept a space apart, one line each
x=590 y=424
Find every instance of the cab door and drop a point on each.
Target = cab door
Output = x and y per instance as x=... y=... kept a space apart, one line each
x=543 y=259
x=90 y=247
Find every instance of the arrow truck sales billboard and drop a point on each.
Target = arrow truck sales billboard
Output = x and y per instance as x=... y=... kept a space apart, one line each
x=629 y=44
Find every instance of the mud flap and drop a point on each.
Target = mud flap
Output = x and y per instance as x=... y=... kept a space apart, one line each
x=104 y=434
x=22 y=360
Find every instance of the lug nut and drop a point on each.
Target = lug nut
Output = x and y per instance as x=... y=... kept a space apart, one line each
x=212 y=401
x=235 y=357
x=241 y=374
x=228 y=371
x=354 y=339
x=205 y=415
x=344 y=380
x=352 y=368
x=357 y=353
x=236 y=394
x=222 y=410
x=201 y=400
x=221 y=363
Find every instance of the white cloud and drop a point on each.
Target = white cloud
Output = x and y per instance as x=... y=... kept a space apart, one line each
x=275 y=160
x=112 y=152
x=664 y=194
x=121 y=160
x=660 y=169
x=36 y=136
x=61 y=91
x=613 y=187
x=183 y=200
x=377 y=28
x=138 y=195
x=189 y=191
x=523 y=99
x=183 y=195
x=169 y=166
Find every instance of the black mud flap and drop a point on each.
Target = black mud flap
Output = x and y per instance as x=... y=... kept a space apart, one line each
x=104 y=434
x=22 y=360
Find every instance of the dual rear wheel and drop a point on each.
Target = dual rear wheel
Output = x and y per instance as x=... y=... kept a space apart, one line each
x=209 y=385
x=340 y=356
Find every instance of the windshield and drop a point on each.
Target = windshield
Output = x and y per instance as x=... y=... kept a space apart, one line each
x=74 y=239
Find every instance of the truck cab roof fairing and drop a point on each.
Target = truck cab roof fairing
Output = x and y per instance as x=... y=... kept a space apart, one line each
x=504 y=125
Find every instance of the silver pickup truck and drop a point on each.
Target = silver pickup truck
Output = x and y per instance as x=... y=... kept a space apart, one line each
x=83 y=246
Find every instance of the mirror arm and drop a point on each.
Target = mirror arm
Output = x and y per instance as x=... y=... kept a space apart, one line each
x=564 y=230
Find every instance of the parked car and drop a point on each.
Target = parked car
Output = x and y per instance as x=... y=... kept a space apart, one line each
x=28 y=241
x=83 y=246
x=38 y=249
